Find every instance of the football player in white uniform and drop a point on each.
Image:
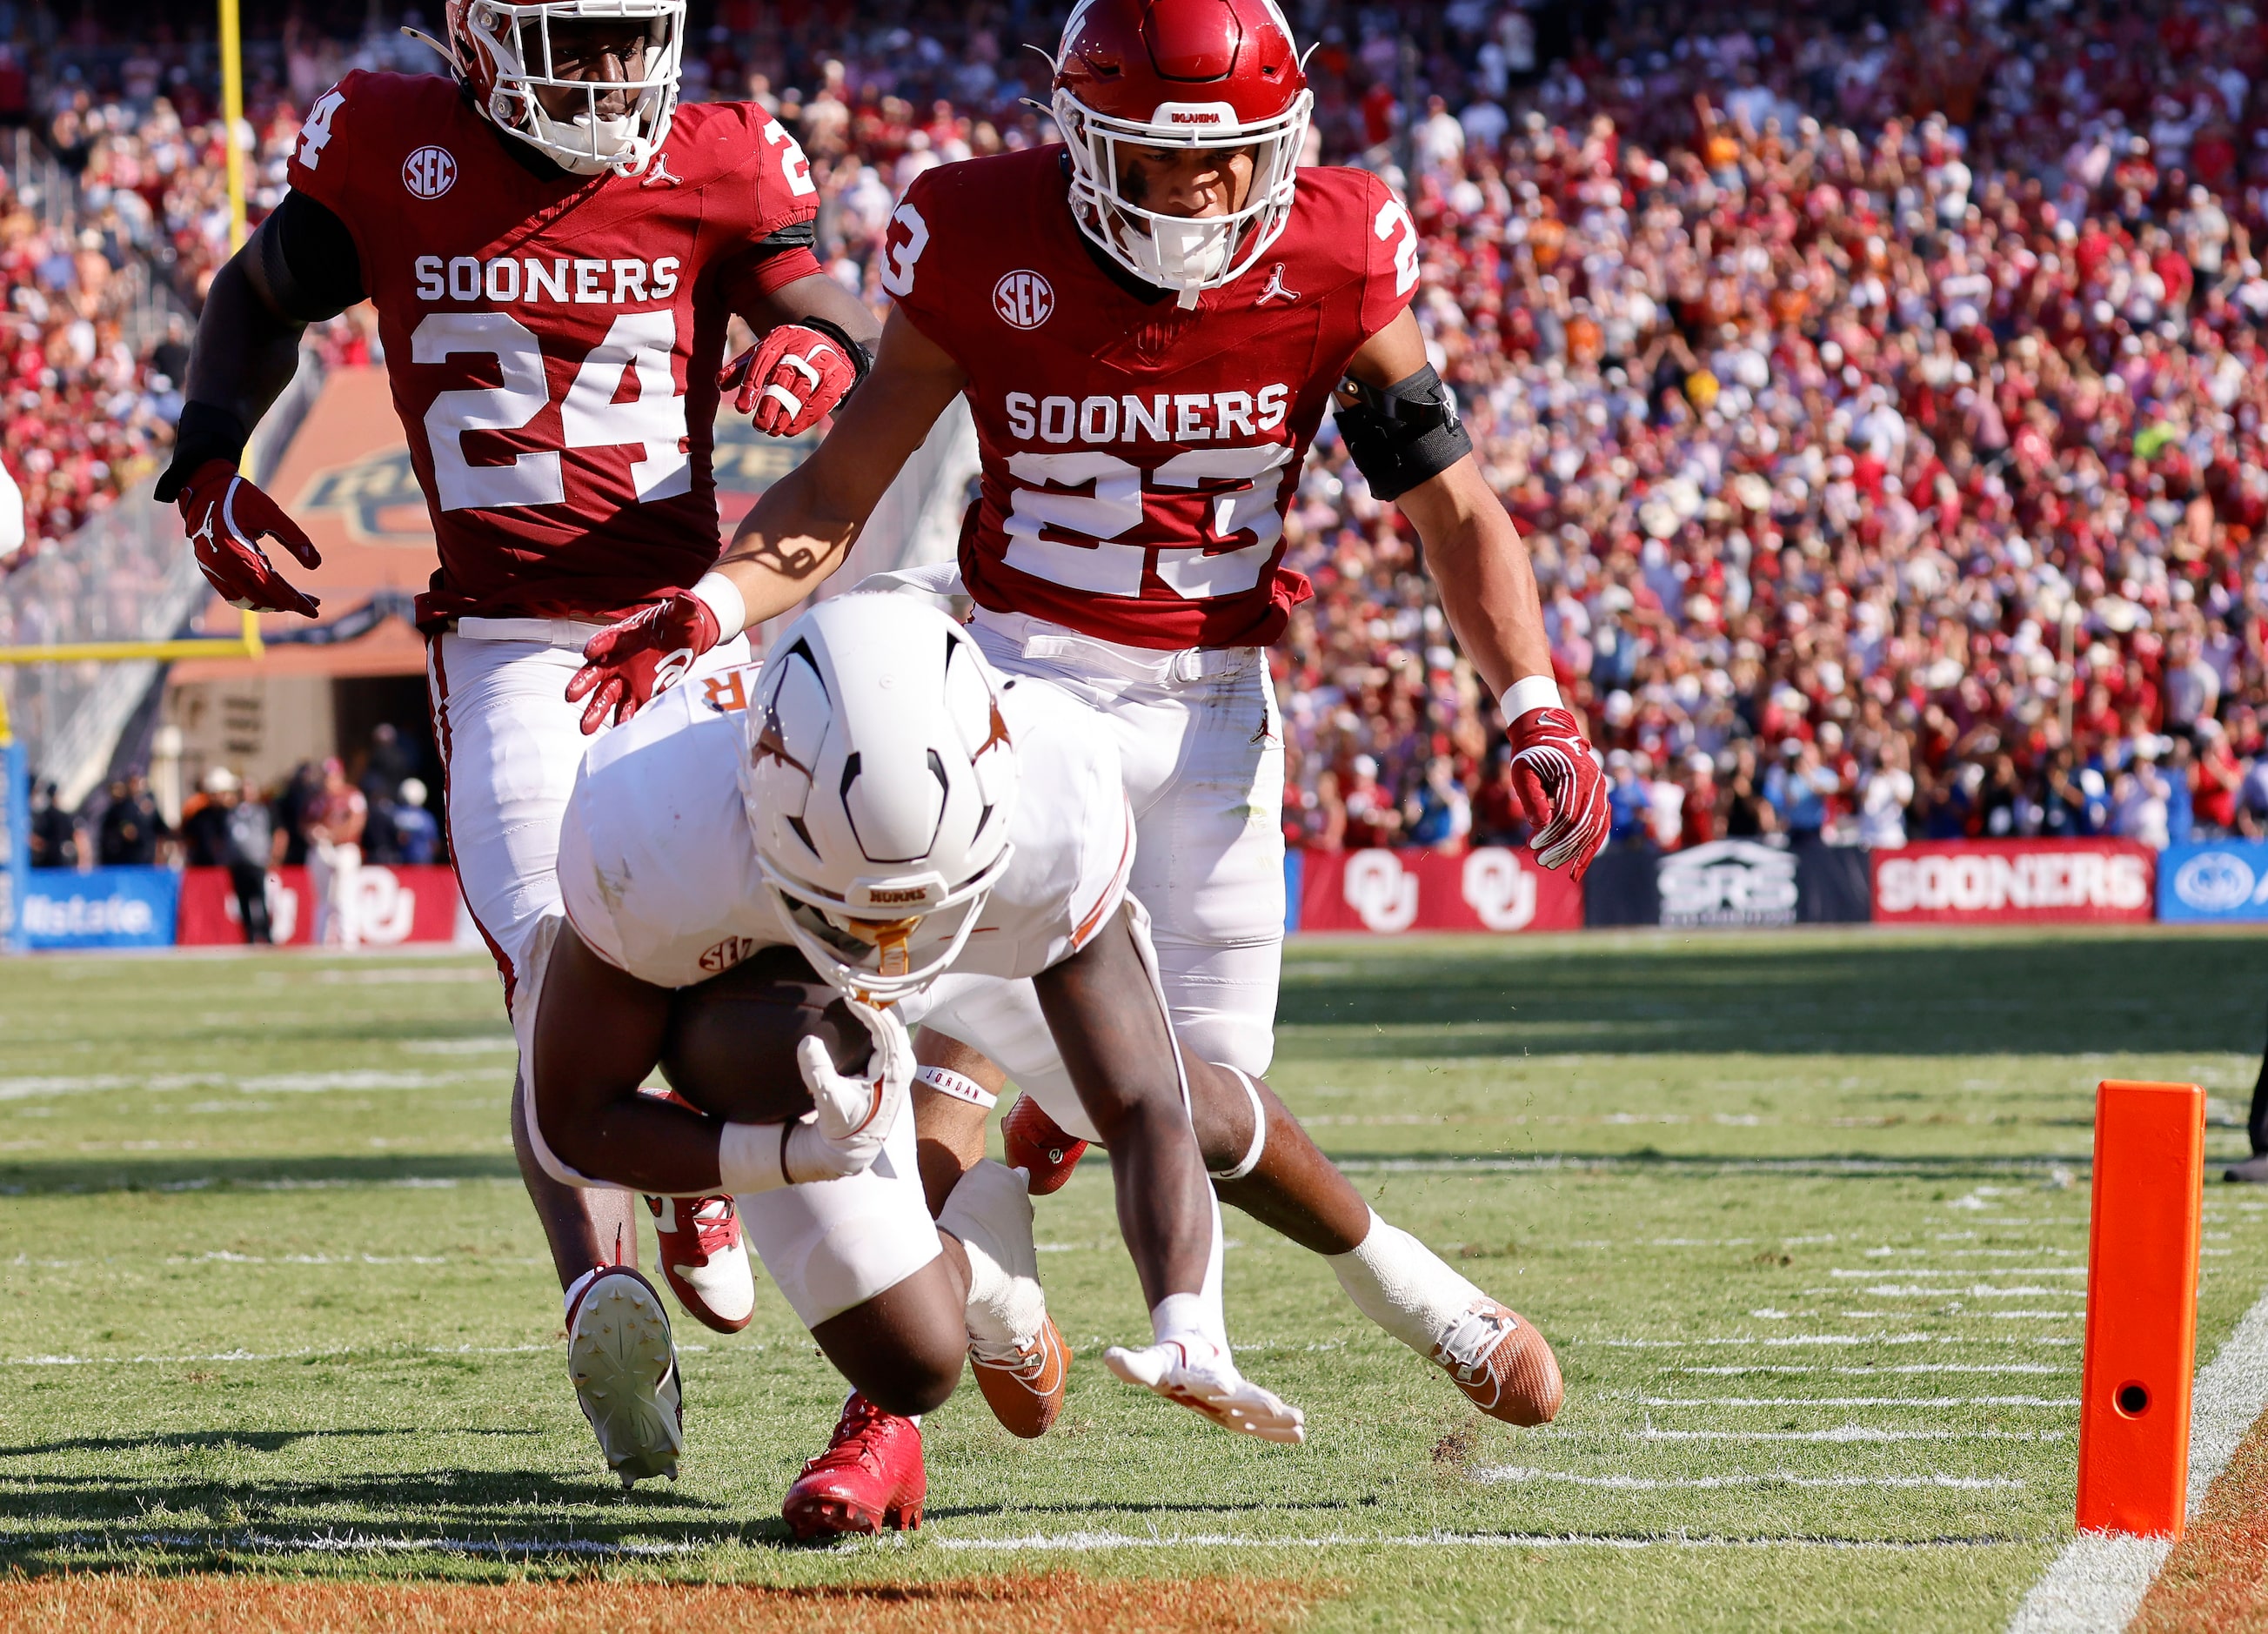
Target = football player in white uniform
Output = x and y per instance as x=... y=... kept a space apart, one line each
x=864 y=809
x=691 y=847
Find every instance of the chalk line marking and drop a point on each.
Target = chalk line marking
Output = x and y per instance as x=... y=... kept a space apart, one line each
x=1905 y=1367
x=1847 y=1433
x=2095 y=1586
x=361 y=1543
x=1501 y=1473
x=1783 y=1340
x=1929 y=1402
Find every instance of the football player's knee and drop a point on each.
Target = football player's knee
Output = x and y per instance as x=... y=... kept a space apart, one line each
x=916 y=1375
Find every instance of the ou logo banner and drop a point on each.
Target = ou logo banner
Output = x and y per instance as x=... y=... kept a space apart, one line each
x=1382 y=892
x=1024 y=299
x=379 y=909
x=1498 y=890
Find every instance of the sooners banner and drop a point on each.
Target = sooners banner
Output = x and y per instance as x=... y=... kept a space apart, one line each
x=2014 y=882
x=384 y=906
x=1488 y=889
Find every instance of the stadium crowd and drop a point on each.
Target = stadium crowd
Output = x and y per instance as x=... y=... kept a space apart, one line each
x=1883 y=409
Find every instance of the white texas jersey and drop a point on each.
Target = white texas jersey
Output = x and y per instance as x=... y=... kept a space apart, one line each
x=657 y=863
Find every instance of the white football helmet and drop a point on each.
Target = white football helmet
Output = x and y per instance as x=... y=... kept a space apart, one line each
x=880 y=779
x=502 y=52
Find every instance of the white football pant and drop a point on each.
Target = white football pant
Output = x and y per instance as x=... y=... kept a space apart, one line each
x=510 y=744
x=1203 y=750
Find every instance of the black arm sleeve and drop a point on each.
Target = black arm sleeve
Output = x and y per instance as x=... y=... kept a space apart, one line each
x=309 y=260
x=1401 y=435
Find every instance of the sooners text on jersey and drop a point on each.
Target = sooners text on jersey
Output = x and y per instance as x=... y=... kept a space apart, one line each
x=552 y=341
x=1137 y=457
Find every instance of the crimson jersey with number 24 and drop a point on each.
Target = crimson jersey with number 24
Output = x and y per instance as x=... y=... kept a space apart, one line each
x=1138 y=457
x=552 y=341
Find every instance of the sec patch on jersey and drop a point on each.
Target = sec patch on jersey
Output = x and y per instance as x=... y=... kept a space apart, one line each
x=731 y=1041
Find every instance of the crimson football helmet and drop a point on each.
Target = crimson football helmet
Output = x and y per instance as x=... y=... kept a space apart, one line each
x=502 y=50
x=1181 y=74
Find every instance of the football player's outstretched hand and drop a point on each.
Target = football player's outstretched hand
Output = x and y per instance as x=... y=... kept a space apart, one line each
x=789 y=381
x=1208 y=1383
x=1560 y=784
x=227 y=518
x=628 y=662
x=855 y=1114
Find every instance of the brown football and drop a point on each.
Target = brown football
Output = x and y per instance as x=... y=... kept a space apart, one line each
x=731 y=1049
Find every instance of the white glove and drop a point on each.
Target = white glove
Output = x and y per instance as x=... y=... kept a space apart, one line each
x=1203 y=1379
x=854 y=1116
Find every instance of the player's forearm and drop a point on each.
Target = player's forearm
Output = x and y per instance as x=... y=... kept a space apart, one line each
x=787 y=545
x=638 y=1141
x=821 y=297
x=1486 y=582
x=245 y=353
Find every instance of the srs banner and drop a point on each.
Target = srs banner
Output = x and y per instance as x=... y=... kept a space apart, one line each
x=1492 y=888
x=2015 y=882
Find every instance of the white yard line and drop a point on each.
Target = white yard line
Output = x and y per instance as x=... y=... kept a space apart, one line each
x=1843 y=1340
x=1501 y=1473
x=1847 y=1433
x=1921 y=1402
x=1042 y=1543
x=1907 y=1367
x=2095 y=1586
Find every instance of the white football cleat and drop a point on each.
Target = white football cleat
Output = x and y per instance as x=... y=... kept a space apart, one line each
x=1209 y=1385
x=624 y=1368
x=1020 y=1360
x=703 y=1260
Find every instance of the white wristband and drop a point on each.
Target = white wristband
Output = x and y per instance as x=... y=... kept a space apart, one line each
x=722 y=597
x=945 y=1081
x=1530 y=692
x=752 y=1158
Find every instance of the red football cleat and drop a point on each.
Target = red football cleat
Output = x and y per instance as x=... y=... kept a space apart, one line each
x=1034 y=1143
x=1504 y=1366
x=703 y=1260
x=869 y=1478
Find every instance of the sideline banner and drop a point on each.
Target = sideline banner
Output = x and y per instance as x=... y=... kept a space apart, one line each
x=1491 y=889
x=105 y=908
x=1726 y=884
x=2015 y=882
x=386 y=908
x=2213 y=881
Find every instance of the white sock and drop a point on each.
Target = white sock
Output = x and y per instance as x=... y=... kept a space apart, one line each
x=990 y=1213
x=575 y=1288
x=1192 y=1320
x=1403 y=1285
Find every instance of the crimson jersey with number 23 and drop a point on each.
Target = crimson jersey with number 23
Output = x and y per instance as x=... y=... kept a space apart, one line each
x=552 y=341
x=1138 y=457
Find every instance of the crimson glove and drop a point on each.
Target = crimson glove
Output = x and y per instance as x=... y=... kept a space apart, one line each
x=1556 y=778
x=226 y=518
x=790 y=380
x=627 y=663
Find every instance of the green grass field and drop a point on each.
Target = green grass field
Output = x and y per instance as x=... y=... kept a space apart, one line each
x=1805 y=1216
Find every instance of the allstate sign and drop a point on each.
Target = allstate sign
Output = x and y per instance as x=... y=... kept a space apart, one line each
x=2225 y=880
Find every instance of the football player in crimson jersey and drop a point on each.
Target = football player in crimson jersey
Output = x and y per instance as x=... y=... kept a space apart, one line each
x=1149 y=322
x=554 y=250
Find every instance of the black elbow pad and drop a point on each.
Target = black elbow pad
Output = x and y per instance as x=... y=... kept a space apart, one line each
x=1401 y=435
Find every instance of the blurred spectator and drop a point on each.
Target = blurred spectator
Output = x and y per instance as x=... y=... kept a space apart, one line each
x=333 y=823
x=55 y=837
x=130 y=827
x=226 y=830
x=417 y=835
